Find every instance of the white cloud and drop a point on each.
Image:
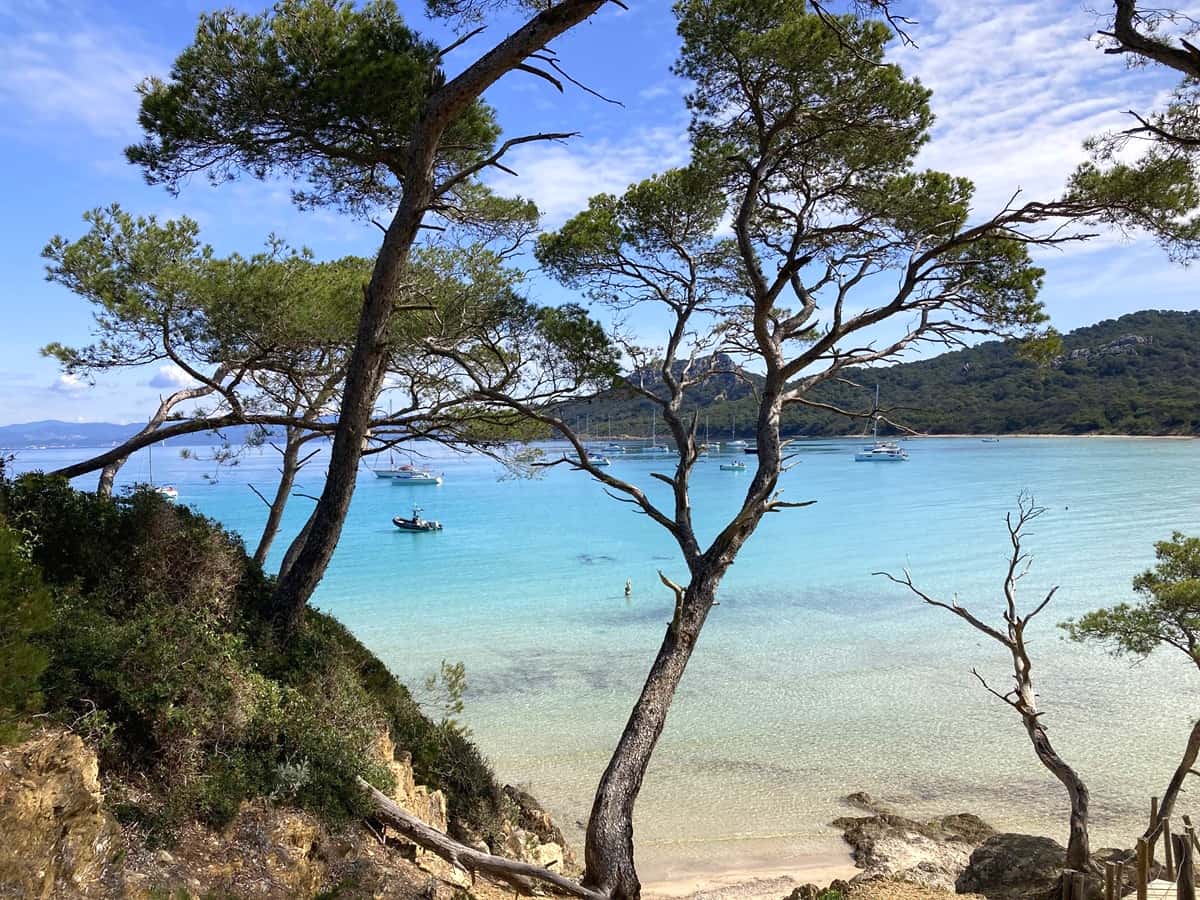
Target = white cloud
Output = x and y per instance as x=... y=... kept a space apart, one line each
x=172 y=377
x=1017 y=87
x=69 y=384
x=69 y=69
x=561 y=177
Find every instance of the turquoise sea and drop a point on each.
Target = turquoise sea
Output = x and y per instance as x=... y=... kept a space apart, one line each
x=813 y=677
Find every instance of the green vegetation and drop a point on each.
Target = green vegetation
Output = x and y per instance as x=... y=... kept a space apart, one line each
x=24 y=612
x=1168 y=614
x=1140 y=387
x=152 y=624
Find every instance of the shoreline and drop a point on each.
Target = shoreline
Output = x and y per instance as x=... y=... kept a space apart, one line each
x=761 y=869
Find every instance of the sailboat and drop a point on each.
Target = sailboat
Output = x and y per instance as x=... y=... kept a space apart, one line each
x=655 y=446
x=734 y=441
x=167 y=490
x=880 y=451
x=708 y=446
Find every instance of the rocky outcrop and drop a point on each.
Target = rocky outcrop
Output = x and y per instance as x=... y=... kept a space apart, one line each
x=531 y=835
x=1125 y=345
x=1014 y=866
x=56 y=839
x=927 y=854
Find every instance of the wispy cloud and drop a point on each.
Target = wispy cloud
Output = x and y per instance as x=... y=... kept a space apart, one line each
x=561 y=177
x=1017 y=87
x=70 y=69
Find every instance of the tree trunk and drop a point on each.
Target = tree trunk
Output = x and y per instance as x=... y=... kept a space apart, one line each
x=1079 y=852
x=297 y=544
x=368 y=360
x=608 y=850
x=1186 y=765
x=288 y=469
x=108 y=475
x=364 y=378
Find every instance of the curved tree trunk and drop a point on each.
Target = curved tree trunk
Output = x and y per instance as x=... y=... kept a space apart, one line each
x=297 y=544
x=609 y=849
x=1079 y=852
x=287 y=478
x=368 y=360
x=108 y=474
x=1185 y=767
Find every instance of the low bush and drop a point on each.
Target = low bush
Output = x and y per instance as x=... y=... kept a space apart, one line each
x=155 y=645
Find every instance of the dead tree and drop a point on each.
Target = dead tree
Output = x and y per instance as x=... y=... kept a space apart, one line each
x=1022 y=697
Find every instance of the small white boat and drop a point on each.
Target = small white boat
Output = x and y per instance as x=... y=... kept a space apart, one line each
x=416 y=523
x=736 y=466
x=600 y=461
x=169 y=491
x=739 y=444
x=880 y=451
x=408 y=474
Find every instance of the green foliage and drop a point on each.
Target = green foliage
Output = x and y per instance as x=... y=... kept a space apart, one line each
x=326 y=90
x=827 y=105
x=25 y=607
x=1156 y=190
x=158 y=293
x=159 y=650
x=1168 y=614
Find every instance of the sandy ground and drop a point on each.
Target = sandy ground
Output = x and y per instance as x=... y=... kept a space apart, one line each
x=758 y=871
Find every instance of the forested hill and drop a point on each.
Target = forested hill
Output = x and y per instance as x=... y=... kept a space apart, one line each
x=1139 y=374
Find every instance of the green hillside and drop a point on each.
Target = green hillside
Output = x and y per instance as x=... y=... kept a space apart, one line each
x=1139 y=374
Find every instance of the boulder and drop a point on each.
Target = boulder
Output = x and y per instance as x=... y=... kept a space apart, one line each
x=1013 y=866
x=56 y=839
x=929 y=854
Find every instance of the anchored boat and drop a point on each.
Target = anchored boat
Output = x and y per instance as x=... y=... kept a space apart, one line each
x=416 y=523
x=880 y=451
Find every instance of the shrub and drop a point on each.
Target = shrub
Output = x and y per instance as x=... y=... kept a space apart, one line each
x=159 y=650
x=24 y=611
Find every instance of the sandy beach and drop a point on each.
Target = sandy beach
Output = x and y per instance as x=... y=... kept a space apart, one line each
x=759 y=869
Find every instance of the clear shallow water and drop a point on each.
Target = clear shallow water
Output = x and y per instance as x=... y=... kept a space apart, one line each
x=813 y=678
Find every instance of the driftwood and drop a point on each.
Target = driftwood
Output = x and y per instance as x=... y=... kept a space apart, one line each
x=521 y=875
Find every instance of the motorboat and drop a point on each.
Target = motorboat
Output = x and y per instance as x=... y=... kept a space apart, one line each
x=736 y=466
x=169 y=491
x=408 y=474
x=600 y=461
x=416 y=523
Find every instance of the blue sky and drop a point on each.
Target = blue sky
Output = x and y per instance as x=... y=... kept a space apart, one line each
x=1017 y=86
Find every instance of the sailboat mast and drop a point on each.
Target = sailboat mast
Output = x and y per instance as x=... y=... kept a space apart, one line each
x=875 y=427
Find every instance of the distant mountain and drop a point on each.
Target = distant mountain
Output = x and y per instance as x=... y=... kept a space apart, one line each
x=1139 y=374
x=53 y=433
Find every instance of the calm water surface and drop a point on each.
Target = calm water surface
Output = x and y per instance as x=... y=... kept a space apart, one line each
x=813 y=678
